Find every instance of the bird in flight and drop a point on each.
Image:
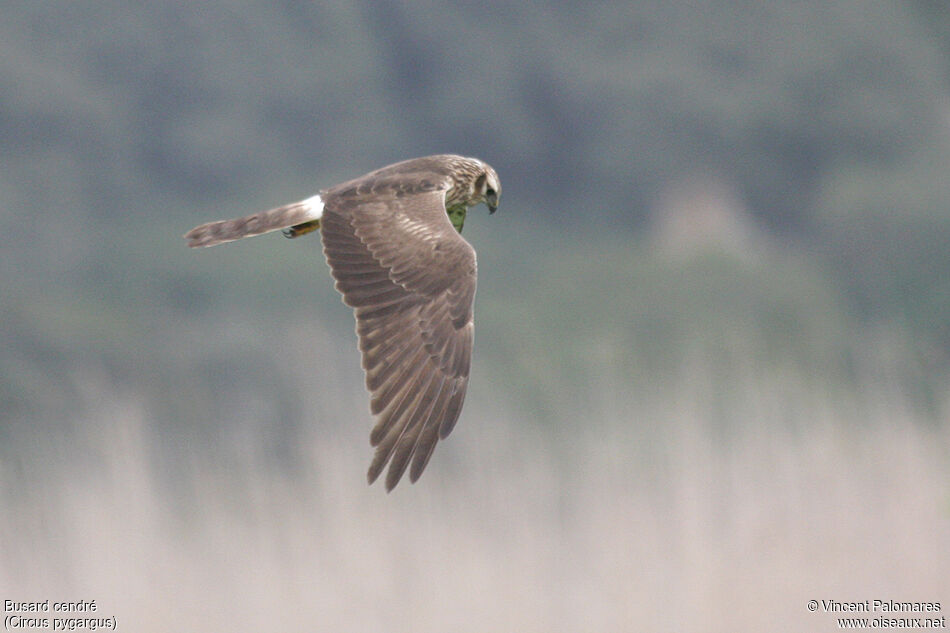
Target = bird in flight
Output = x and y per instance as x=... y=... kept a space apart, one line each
x=393 y=241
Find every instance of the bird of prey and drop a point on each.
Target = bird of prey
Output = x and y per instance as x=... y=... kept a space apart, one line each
x=393 y=241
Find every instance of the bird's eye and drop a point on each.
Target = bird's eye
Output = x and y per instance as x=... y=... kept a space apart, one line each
x=489 y=191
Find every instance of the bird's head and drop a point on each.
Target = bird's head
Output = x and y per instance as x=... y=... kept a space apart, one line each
x=482 y=185
x=487 y=188
x=473 y=182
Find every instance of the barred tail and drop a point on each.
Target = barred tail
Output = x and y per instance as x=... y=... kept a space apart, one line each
x=257 y=223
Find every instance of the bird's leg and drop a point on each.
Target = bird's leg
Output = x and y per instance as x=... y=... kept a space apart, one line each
x=302 y=229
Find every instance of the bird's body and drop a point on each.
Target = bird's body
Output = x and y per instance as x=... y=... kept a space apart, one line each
x=392 y=239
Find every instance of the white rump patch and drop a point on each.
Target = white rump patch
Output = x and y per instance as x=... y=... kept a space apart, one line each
x=314 y=206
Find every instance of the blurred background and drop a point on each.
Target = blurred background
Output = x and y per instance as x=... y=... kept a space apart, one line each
x=711 y=371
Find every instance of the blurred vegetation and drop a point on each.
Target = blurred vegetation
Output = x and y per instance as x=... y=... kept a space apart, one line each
x=124 y=124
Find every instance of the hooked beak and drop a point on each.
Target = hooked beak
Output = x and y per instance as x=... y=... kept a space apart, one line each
x=492 y=203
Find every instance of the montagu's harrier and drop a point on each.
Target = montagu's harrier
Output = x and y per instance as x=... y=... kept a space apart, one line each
x=392 y=239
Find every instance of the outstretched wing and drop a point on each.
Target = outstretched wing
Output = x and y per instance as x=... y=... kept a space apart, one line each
x=410 y=279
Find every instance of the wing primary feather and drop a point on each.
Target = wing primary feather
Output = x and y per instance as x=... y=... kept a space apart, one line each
x=393 y=376
x=406 y=444
x=403 y=416
x=425 y=444
x=424 y=450
x=403 y=451
x=400 y=397
x=453 y=410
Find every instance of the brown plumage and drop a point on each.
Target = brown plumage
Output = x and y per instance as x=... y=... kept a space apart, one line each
x=402 y=265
